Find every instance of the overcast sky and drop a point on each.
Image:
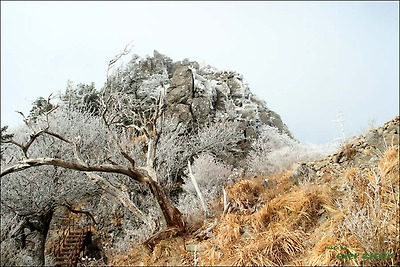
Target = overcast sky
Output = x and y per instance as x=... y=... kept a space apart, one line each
x=307 y=60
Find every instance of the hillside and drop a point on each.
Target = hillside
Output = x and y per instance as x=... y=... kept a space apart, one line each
x=173 y=163
x=340 y=210
x=137 y=132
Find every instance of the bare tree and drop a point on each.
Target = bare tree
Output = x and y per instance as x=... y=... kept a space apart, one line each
x=100 y=145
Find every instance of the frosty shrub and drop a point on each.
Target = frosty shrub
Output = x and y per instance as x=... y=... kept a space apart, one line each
x=219 y=138
x=371 y=207
x=11 y=256
x=274 y=152
x=211 y=175
x=30 y=197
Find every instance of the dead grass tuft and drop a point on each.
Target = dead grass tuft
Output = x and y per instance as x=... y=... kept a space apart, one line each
x=389 y=165
x=170 y=251
x=275 y=233
x=348 y=151
x=279 y=184
x=244 y=195
x=367 y=219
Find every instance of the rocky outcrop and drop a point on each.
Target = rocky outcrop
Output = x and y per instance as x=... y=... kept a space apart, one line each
x=199 y=94
x=361 y=152
x=179 y=97
x=181 y=89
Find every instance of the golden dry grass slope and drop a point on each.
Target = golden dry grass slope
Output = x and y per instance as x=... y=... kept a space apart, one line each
x=347 y=215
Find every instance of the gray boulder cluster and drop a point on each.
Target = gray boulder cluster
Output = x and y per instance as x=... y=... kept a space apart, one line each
x=197 y=95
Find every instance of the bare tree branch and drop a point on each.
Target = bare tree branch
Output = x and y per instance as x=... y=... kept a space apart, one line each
x=25 y=147
x=122 y=196
x=29 y=163
x=199 y=194
x=26 y=121
x=34 y=136
x=58 y=136
x=87 y=213
x=115 y=142
x=114 y=60
x=126 y=51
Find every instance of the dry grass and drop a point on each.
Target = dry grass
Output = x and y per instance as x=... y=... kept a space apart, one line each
x=244 y=195
x=284 y=224
x=366 y=220
x=371 y=210
x=168 y=252
x=274 y=233
x=348 y=151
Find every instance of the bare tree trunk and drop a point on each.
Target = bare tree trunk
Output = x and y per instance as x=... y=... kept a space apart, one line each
x=199 y=194
x=42 y=229
x=150 y=158
x=172 y=215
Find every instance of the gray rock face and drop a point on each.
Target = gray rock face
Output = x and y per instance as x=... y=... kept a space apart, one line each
x=302 y=173
x=201 y=109
x=197 y=95
x=179 y=97
x=179 y=113
x=181 y=89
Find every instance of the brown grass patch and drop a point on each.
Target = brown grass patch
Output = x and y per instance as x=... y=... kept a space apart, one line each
x=284 y=224
x=274 y=234
x=244 y=195
x=367 y=221
x=168 y=252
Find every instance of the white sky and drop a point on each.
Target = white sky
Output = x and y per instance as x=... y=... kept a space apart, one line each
x=307 y=60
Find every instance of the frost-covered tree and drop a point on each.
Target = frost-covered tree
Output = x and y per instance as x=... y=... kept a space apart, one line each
x=4 y=137
x=130 y=139
x=211 y=175
x=275 y=152
x=39 y=107
x=82 y=97
x=219 y=138
x=29 y=199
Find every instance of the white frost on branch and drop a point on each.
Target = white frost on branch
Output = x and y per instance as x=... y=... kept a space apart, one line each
x=274 y=152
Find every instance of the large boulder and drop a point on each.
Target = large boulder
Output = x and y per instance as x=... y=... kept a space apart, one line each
x=181 y=89
x=302 y=173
